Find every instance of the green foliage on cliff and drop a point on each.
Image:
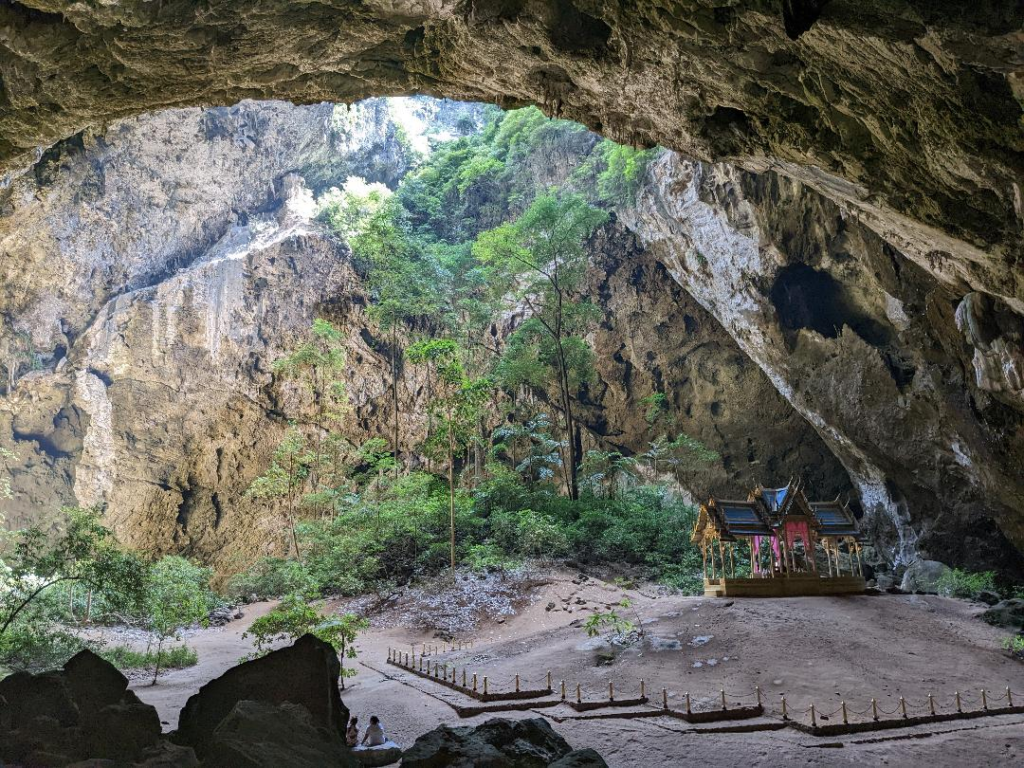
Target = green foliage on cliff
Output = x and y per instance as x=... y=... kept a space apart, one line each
x=490 y=230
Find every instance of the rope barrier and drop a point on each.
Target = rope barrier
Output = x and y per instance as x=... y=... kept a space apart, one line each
x=960 y=703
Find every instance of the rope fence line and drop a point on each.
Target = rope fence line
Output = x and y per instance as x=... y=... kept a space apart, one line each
x=725 y=704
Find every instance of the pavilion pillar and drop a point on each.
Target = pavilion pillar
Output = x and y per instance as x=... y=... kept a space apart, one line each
x=860 y=565
x=721 y=555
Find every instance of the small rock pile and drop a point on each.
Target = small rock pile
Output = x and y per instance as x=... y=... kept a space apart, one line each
x=498 y=743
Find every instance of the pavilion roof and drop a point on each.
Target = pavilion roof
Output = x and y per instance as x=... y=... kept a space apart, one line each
x=735 y=519
x=835 y=519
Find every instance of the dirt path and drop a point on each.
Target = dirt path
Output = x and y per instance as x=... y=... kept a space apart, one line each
x=824 y=650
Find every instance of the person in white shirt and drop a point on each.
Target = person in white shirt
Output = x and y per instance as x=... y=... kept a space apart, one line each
x=374 y=736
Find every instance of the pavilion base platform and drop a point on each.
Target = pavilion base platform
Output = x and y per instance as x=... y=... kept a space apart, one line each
x=792 y=585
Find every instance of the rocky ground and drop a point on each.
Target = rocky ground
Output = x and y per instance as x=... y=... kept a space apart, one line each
x=820 y=650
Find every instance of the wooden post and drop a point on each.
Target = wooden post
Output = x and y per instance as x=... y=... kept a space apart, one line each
x=664 y=698
x=984 y=700
x=579 y=694
x=642 y=696
x=611 y=691
x=563 y=690
x=931 y=704
x=389 y=654
x=688 y=704
x=957 y=696
x=474 y=682
x=723 y=700
x=463 y=677
x=517 y=682
x=874 y=710
x=757 y=690
x=785 y=716
x=845 y=719
x=407 y=659
x=549 y=679
x=814 y=720
x=485 y=685
x=903 y=707
x=1009 y=696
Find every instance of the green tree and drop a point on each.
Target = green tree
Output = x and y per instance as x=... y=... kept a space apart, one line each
x=689 y=454
x=318 y=364
x=402 y=286
x=285 y=478
x=607 y=472
x=295 y=617
x=177 y=596
x=540 y=259
x=455 y=408
x=80 y=551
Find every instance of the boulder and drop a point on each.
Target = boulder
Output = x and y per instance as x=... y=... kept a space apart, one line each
x=497 y=743
x=82 y=712
x=305 y=673
x=987 y=596
x=256 y=734
x=387 y=753
x=581 y=758
x=223 y=615
x=884 y=582
x=1006 y=613
x=923 y=576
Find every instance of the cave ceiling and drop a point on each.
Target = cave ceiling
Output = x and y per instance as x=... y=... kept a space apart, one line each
x=906 y=113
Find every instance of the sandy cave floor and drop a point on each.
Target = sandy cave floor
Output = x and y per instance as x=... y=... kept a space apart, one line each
x=823 y=650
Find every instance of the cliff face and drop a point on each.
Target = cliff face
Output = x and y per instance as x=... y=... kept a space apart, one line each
x=153 y=272
x=914 y=386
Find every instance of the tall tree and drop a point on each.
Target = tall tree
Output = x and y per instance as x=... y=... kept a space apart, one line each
x=318 y=364
x=455 y=407
x=402 y=285
x=540 y=260
x=285 y=478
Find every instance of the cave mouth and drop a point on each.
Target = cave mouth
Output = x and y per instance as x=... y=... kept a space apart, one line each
x=810 y=299
x=389 y=259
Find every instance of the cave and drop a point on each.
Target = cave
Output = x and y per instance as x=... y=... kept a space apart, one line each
x=807 y=298
x=268 y=336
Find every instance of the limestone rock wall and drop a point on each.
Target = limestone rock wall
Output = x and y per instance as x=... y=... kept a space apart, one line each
x=913 y=385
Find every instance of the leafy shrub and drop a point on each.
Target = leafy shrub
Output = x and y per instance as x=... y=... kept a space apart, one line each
x=1015 y=645
x=271 y=577
x=38 y=645
x=528 y=533
x=295 y=617
x=965 y=584
x=125 y=658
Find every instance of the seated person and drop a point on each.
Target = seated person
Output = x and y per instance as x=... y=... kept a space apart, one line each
x=352 y=734
x=374 y=736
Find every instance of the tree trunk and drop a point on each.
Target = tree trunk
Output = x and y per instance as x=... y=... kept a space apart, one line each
x=156 y=668
x=394 y=389
x=451 y=495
